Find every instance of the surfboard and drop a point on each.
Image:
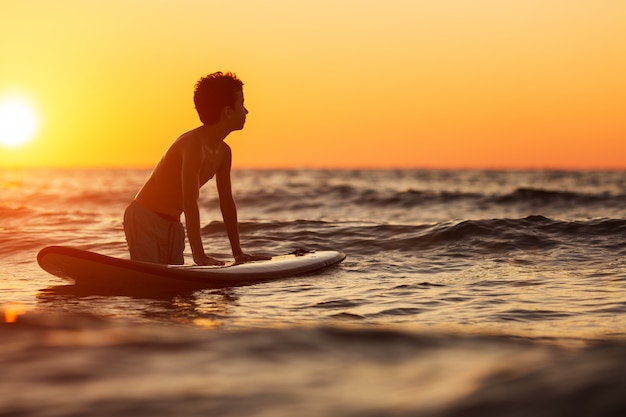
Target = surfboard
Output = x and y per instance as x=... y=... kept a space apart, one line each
x=85 y=268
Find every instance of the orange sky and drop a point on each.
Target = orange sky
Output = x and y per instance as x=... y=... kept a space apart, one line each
x=328 y=83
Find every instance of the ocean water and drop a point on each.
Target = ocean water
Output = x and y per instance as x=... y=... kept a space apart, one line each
x=463 y=293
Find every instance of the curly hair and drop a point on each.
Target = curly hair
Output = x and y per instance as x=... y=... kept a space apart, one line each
x=214 y=92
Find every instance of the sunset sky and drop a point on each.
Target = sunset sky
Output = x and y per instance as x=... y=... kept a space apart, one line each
x=328 y=83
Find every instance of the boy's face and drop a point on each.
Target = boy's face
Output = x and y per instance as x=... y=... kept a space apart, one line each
x=238 y=115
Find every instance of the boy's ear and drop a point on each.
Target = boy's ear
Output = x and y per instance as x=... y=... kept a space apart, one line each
x=227 y=111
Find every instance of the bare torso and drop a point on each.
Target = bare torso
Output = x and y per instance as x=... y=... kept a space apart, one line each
x=163 y=192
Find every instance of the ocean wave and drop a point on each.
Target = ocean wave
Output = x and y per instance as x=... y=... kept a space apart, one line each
x=474 y=236
x=359 y=202
x=304 y=371
x=542 y=196
x=412 y=197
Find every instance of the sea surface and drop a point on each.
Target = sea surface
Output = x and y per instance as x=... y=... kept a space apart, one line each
x=464 y=293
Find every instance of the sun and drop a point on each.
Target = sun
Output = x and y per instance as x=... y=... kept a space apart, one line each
x=18 y=123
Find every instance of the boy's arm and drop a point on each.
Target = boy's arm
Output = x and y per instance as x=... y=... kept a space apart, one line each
x=191 y=191
x=229 y=209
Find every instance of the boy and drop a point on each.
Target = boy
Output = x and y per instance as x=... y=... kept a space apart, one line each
x=152 y=221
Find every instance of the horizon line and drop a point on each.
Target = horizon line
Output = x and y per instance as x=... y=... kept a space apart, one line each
x=329 y=168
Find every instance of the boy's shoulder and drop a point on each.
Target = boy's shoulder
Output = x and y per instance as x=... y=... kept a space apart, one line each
x=192 y=135
x=188 y=142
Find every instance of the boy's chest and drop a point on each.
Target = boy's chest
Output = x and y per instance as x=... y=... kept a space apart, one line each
x=211 y=159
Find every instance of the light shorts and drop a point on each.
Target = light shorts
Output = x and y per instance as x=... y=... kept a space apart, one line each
x=152 y=238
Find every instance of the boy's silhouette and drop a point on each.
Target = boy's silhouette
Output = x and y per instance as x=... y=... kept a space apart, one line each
x=152 y=221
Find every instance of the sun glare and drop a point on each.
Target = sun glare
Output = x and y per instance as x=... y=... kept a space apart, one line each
x=18 y=123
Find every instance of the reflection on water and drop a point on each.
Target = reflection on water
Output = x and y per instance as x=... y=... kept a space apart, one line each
x=12 y=311
x=207 y=308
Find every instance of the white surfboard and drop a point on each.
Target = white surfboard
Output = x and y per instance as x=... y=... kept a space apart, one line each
x=86 y=268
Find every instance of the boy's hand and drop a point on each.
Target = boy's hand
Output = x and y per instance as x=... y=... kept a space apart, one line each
x=204 y=260
x=244 y=257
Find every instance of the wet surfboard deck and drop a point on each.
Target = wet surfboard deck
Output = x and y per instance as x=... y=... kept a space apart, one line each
x=85 y=268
